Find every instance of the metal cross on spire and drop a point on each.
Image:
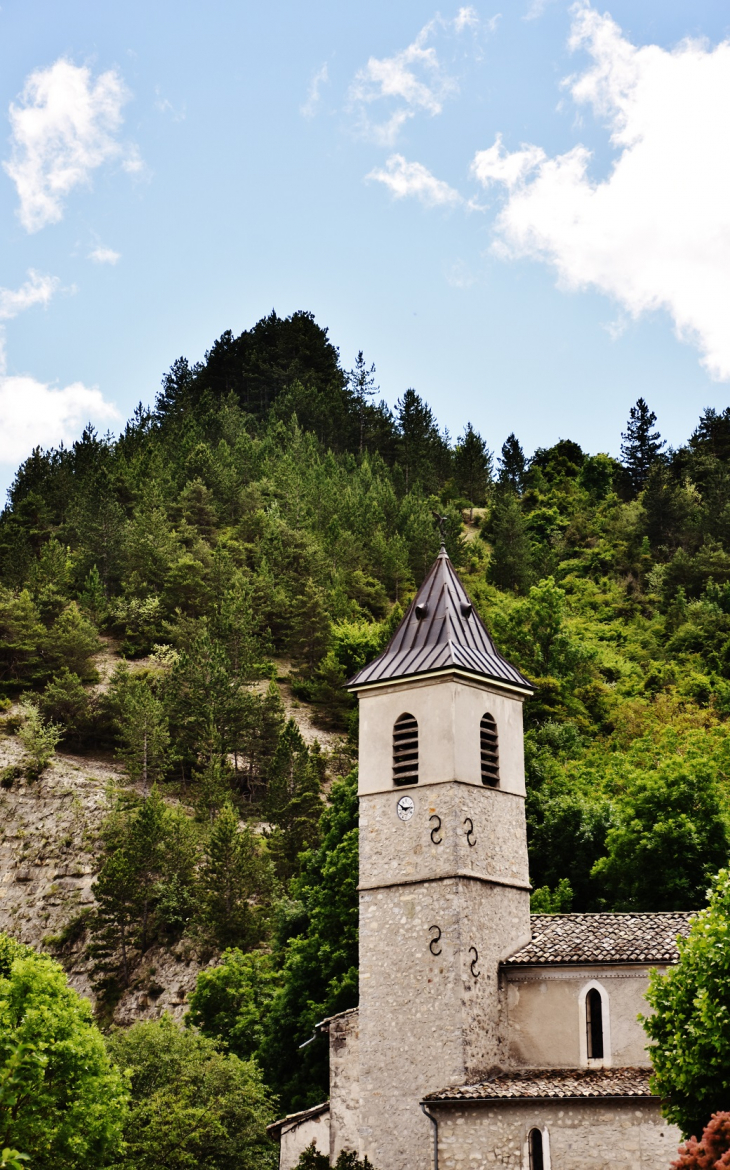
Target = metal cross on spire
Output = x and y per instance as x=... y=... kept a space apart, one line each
x=441 y=521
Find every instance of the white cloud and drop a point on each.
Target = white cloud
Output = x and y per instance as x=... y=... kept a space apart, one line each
x=654 y=234
x=33 y=414
x=403 y=178
x=496 y=165
x=413 y=79
x=320 y=78
x=536 y=9
x=64 y=127
x=102 y=255
x=465 y=18
x=37 y=290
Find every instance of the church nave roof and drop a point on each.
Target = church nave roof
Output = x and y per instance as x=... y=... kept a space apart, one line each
x=546 y=1083
x=603 y=938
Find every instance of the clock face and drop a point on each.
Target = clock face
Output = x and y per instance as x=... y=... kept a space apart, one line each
x=406 y=808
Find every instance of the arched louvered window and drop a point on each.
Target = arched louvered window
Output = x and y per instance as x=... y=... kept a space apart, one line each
x=405 y=750
x=535 y=1149
x=489 y=749
x=594 y=1024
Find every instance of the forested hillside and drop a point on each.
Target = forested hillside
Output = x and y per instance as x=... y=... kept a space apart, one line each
x=269 y=518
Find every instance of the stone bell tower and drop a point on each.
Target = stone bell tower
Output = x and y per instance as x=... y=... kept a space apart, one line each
x=444 y=891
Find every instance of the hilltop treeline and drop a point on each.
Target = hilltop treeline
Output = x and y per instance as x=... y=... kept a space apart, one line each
x=270 y=514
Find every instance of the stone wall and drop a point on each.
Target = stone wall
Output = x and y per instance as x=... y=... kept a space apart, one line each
x=455 y=829
x=582 y=1135
x=344 y=1037
x=547 y=1020
x=299 y=1134
x=429 y=1011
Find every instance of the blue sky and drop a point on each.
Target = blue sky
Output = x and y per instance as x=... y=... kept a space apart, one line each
x=522 y=211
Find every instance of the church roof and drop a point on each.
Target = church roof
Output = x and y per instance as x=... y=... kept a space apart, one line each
x=602 y=938
x=441 y=630
x=558 y=1083
x=292 y=1120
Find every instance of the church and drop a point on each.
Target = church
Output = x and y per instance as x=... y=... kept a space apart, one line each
x=485 y=1036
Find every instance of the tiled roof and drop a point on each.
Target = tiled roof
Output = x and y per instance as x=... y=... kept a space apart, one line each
x=603 y=938
x=292 y=1120
x=441 y=630
x=324 y=1024
x=560 y=1083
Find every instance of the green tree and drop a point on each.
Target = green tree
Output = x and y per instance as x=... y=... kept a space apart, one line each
x=472 y=466
x=310 y=626
x=690 y=1024
x=361 y=382
x=208 y=704
x=293 y=800
x=422 y=451
x=37 y=737
x=146 y=882
x=670 y=837
x=115 y=920
x=235 y=882
x=311 y=1159
x=73 y=642
x=61 y=1101
x=92 y=598
x=143 y=729
x=319 y=957
x=65 y=702
x=640 y=445
x=512 y=464
x=22 y=641
x=231 y=1001
x=146 y=845
x=510 y=565
x=192 y=1106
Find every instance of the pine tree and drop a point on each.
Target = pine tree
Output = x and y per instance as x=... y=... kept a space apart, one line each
x=712 y=433
x=472 y=466
x=146 y=848
x=640 y=445
x=512 y=464
x=293 y=799
x=116 y=893
x=423 y=453
x=144 y=732
x=91 y=598
x=510 y=563
x=233 y=874
x=362 y=386
x=310 y=626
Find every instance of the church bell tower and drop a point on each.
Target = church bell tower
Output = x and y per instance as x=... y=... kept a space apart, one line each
x=444 y=890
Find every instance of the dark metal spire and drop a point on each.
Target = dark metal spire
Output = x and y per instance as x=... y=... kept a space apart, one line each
x=440 y=631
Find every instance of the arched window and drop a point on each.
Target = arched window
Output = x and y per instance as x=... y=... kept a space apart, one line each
x=489 y=750
x=594 y=1024
x=535 y=1150
x=405 y=750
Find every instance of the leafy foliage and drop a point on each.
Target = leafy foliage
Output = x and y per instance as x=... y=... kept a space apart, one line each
x=191 y=1105
x=690 y=1027
x=311 y=1159
x=62 y=1103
